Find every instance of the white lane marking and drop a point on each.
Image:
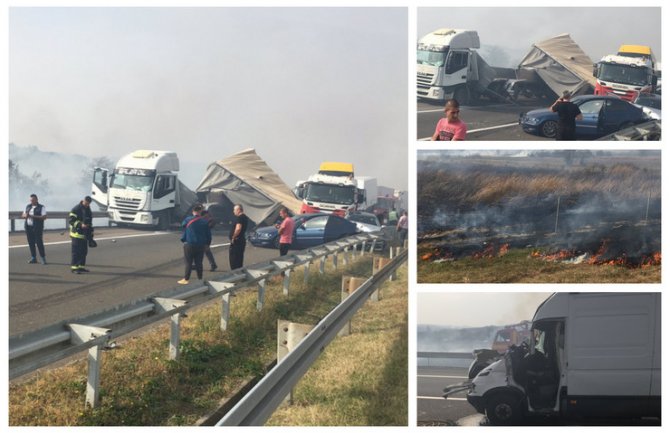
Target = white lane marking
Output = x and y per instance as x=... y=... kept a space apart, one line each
x=442 y=109
x=98 y=239
x=480 y=130
x=447 y=377
x=441 y=398
x=219 y=245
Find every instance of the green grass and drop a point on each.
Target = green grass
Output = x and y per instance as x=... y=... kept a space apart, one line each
x=360 y=379
x=519 y=267
x=140 y=386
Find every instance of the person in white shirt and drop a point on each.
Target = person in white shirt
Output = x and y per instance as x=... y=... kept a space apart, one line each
x=34 y=217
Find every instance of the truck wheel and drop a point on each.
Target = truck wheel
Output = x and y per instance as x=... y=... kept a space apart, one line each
x=549 y=129
x=504 y=409
x=164 y=221
x=462 y=95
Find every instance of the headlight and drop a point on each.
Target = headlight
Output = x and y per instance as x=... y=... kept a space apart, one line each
x=531 y=120
x=263 y=235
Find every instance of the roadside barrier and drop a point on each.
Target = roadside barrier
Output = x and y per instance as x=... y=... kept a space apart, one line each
x=36 y=349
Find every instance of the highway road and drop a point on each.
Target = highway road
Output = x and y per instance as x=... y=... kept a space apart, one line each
x=486 y=121
x=127 y=265
x=432 y=408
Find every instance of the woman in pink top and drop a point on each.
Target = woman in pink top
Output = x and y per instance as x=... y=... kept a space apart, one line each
x=450 y=127
x=285 y=231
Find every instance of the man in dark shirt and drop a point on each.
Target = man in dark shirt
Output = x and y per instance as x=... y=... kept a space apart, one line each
x=238 y=239
x=567 y=114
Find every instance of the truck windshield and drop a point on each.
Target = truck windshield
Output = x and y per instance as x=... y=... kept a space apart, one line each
x=139 y=181
x=433 y=58
x=338 y=194
x=624 y=74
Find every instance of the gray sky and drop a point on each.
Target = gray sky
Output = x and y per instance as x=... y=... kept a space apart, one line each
x=477 y=309
x=598 y=31
x=300 y=85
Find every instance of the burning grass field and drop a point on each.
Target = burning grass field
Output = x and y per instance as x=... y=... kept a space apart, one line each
x=528 y=265
x=547 y=217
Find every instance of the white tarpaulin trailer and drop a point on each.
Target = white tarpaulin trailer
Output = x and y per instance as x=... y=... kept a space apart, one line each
x=246 y=179
x=561 y=64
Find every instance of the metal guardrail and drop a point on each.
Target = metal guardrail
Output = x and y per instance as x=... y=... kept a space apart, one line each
x=648 y=131
x=64 y=215
x=259 y=404
x=449 y=355
x=30 y=351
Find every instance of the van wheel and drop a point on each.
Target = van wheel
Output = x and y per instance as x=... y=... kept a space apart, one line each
x=504 y=409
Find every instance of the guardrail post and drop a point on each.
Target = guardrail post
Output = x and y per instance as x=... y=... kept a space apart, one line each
x=174 y=336
x=166 y=305
x=373 y=245
x=289 y=334
x=345 y=259
x=322 y=265
x=335 y=260
x=82 y=334
x=363 y=247
x=306 y=273
x=349 y=285
x=378 y=263
x=261 y=287
x=218 y=287
x=225 y=311
x=286 y=275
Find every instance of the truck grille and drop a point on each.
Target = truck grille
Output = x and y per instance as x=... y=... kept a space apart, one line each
x=128 y=203
x=423 y=82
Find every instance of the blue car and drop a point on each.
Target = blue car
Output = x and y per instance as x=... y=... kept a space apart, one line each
x=602 y=115
x=310 y=230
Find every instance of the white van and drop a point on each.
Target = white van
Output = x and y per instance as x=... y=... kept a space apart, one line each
x=591 y=355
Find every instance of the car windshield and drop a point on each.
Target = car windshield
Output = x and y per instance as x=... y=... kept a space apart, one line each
x=433 y=58
x=365 y=219
x=137 y=182
x=338 y=194
x=624 y=74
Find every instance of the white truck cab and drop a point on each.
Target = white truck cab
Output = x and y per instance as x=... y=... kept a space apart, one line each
x=143 y=189
x=591 y=355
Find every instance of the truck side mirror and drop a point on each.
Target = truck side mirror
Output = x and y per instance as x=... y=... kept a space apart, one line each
x=595 y=70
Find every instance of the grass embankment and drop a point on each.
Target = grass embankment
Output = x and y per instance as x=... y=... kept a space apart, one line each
x=360 y=379
x=518 y=266
x=141 y=386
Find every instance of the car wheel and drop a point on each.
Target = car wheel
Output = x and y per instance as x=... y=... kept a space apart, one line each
x=549 y=129
x=504 y=409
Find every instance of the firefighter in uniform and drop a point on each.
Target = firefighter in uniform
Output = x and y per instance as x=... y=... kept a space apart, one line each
x=80 y=220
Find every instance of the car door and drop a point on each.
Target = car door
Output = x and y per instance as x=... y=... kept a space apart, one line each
x=337 y=228
x=588 y=126
x=614 y=114
x=310 y=233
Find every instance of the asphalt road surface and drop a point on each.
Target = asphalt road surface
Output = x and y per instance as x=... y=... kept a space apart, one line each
x=127 y=265
x=432 y=408
x=486 y=121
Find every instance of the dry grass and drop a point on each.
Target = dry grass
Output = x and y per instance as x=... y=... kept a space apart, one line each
x=141 y=386
x=519 y=267
x=360 y=379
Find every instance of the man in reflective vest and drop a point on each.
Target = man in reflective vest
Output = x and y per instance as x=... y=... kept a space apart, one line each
x=81 y=221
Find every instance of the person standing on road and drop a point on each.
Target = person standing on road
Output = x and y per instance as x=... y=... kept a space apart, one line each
x=211 y=222
x=81 y=224
x=34 y=216
x=402 y=228
x=450 y=127
x=285 y=231
x=238 y=239
x=196 y=237
x=568 y=113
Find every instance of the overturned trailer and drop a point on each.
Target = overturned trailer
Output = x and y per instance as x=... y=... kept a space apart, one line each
x=560 y=64
x=245 y=178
